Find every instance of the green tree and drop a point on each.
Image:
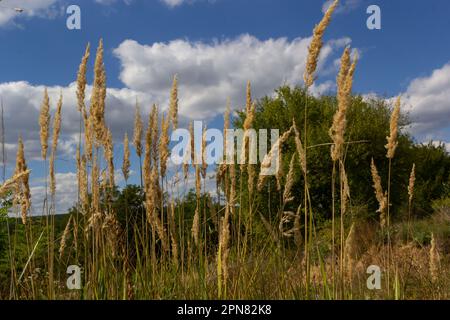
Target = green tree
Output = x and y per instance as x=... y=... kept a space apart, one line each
x=367 y=128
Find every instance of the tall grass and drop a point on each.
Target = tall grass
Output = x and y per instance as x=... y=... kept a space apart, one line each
x=227 y=248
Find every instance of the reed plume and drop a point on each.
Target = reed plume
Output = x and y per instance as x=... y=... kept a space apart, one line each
x=44 y=124
x=137 y=134
x=164 y=144
x=56 y=131
x=196 y=226
x=155 y=135
x=88 y=136
x=126 y=158
x=248 y=124
x=204 y=167
x=104 y=182
x=350 y=251
x=173 y=108
x=173 y=233
x=248 y=101
x=412 y=180
x=379 y=194
x=226 y=125
x=148 y=154
x=65 y=236
x=345 y=190
x=287 y=194
x=97 y=109
x=152 y=195
x=23 y=194
x=224 y=251
x=189 y=153
x=81 y=80
x=316 y=46
x=274 y=153
x=12 y=183
x=109 y=155
x=392 y=139
x=337 y=129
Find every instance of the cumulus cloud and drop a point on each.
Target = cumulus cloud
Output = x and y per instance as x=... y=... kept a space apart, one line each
x=66 y=193
x=209 y=73
x=22 y=100
x=427 y=99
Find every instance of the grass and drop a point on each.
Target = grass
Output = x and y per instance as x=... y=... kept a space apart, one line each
x=217 y=249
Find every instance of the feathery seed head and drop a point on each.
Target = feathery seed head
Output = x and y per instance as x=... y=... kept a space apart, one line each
x=412 y=180
x=126 y=158
x=137 y=135
x=81 y=79
x=316 y=46
x=379 y=194
x=392 y=139
x=44 y=124
x=23 y=192
x=56 y=131
x=173 y=108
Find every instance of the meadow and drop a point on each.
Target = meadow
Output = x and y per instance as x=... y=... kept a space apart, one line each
x=352 y=191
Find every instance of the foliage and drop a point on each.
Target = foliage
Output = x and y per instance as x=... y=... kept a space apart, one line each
x=367 y=129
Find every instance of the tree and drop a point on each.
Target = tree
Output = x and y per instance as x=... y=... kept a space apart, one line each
x=367 y=129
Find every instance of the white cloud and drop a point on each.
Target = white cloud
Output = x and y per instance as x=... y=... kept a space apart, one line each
x=427 y=100
x=66 y=193
x=439 y=143
x=173 y=3
x=22 y=102
x=209 y=73
x=35 y=8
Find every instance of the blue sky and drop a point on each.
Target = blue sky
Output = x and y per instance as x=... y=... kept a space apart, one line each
x=214 y=47
x=412 y=41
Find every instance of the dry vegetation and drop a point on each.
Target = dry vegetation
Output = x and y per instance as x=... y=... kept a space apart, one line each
x=226 y=250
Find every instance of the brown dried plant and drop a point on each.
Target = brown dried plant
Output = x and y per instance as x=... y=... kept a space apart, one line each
x=379 y=194
x=138 y=131
x=316 y=45
x=44 y=124
x=173 y=108
x=126 y=158
x=56 y=131
x=23 y=194
x=392 y=139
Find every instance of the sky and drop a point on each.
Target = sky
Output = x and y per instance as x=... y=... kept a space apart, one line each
x=215 y=47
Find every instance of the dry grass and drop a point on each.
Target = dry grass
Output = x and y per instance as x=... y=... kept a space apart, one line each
x=228 y=250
